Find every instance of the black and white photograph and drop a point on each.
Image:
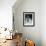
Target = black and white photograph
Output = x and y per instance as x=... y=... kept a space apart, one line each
x=28 y=18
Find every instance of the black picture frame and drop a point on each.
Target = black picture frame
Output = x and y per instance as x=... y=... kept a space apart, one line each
x=28 y=19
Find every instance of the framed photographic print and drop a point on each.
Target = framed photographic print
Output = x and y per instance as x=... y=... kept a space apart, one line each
x=28 y=19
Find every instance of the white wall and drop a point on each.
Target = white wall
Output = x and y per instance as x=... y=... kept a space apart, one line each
x=43 y=22
x=6 y=13
x=33 y=33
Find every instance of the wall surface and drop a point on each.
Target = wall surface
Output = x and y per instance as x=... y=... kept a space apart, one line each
x=43 y=22
x=6 y=13
x=33 y=33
